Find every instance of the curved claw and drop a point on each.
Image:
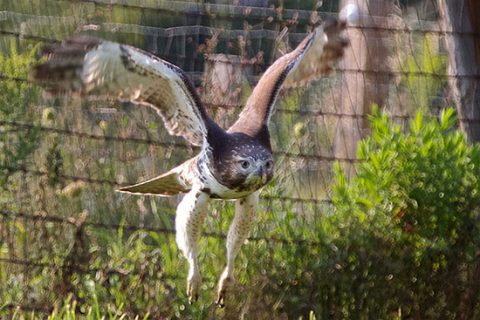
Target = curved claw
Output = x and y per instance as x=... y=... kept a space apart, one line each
x=193 y=286
x=223 y=284
x=220 y=301
x=192 y=297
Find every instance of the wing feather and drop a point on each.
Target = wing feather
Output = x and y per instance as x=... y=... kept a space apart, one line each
x=91 y=66
x=312 y=58
x=165 y=185
x=178 y=180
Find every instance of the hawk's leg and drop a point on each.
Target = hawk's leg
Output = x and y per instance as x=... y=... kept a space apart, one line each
x=245 y=213
x=191 y=213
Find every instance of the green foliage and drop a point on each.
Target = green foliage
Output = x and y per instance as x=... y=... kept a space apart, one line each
x=69 y=311
x=407 y=225
x=400 y=240
x=129 y=274
x=420 y=85
x=15 y=99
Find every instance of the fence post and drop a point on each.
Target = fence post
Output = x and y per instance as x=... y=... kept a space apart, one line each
x=462 y=39
x=362 y=84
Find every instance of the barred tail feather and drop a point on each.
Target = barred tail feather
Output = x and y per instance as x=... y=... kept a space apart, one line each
x=178 y=180
x=164 y=185
x=62 y=72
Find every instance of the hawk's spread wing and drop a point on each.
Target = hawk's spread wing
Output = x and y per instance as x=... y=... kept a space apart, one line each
x=313 y=58
x=88 y=65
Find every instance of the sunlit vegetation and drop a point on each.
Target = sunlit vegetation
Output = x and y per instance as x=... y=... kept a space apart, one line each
x=398 y=239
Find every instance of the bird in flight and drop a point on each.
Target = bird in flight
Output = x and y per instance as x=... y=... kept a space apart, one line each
x=232 y=164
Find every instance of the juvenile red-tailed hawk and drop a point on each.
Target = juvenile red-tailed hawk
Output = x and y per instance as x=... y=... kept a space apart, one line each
x=232 y=164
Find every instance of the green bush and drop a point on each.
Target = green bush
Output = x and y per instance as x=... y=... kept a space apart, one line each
x=400 y=240
x=406 y=227
x=16 y=98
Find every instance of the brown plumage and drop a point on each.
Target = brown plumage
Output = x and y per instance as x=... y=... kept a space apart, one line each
x=90 y=66
x=232 y=164
x=314 y=57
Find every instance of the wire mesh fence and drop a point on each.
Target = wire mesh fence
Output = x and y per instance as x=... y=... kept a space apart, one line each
x=62 y=224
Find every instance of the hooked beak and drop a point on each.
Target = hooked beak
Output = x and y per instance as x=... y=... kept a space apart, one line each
x=262 y=173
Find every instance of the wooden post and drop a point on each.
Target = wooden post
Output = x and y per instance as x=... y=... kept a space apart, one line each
x=362 y=84
x=462 y=40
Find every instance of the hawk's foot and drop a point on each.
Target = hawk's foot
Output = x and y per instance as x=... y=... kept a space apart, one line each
x=224 y=284
x=193 y=286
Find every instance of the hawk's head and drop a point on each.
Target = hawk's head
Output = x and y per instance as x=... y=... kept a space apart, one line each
x=242 y=163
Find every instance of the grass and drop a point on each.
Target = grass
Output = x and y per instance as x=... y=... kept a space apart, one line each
x=71 y=310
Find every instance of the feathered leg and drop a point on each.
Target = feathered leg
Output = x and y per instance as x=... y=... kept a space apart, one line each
x=245 y=213
x=191 y=213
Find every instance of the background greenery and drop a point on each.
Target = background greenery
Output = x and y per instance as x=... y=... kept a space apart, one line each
x=399 y=239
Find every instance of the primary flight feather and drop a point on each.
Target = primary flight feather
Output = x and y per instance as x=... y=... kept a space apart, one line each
x=232 y=164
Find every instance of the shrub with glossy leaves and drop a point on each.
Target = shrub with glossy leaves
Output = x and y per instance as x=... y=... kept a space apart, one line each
x=409 y=221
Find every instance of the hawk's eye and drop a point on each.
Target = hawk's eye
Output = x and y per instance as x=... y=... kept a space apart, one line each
x=269 y=164
x=245 y=164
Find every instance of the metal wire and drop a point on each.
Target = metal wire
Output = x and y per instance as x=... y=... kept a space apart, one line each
x=109 y=226
x=236 y=11
x=160 y=143
x=204 y=10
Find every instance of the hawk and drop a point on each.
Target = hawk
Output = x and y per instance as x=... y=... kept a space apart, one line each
x=232 y=164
